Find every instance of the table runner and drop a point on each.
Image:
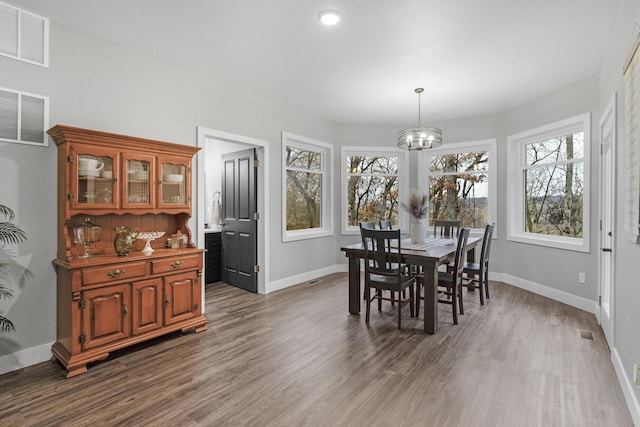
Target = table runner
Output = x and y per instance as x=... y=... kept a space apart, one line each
x=429 y=244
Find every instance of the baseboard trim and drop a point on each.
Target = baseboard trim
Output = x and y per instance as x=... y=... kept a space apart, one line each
x=627 y=387
x=304 y=277
x=23 y=358
x=536 y=288
x=554 y=294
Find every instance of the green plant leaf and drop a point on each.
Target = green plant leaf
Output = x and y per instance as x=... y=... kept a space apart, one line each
x=11 y=233
x=6 y=325
x=7 y=212
x=5 y=292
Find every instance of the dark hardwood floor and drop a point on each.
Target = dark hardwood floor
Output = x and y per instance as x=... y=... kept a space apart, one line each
x=297 y=358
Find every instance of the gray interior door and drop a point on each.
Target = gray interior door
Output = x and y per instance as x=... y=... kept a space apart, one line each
x=239 y=225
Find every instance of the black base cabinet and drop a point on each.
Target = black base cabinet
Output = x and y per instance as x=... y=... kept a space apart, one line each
x=213 y=257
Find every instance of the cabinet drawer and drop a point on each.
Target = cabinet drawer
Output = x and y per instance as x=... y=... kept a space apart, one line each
x=177 y=263
x=110 y=273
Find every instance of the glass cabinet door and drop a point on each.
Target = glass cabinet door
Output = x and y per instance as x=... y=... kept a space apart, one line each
x=95 y=178
x=138 y=174
x=174 y=190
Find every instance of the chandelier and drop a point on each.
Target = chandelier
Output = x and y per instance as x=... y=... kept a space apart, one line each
x=419 y=137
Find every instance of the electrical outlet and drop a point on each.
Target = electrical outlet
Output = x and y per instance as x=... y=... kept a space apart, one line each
x=581 y=278
x=636 y=375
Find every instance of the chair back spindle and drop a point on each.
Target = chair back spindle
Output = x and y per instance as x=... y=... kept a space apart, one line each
x=446 y=228
x=385 y=224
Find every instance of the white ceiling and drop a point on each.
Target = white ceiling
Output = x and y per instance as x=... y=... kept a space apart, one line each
x=472 y=57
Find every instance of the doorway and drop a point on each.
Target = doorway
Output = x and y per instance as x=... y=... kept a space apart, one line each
x=210 y=139
x=607 y=212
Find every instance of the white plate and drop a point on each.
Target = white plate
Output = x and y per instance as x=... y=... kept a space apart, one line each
x=173 y=177
x=84 y=172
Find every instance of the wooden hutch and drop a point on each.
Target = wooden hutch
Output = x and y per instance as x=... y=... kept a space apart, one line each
x=106 y=302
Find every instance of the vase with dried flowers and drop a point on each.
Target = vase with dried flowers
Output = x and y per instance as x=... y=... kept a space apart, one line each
x=417 y=207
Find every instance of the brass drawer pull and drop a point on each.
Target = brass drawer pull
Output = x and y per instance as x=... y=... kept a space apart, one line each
x=115 y=273
x=125 y=310
x=166 y=301
x=177 y=264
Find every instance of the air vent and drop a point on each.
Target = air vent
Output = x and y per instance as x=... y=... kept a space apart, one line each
x=24 y=35
x=24 y=117
x=587 y=335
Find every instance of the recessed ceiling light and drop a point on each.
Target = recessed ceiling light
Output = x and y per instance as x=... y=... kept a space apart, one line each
x=329 y=17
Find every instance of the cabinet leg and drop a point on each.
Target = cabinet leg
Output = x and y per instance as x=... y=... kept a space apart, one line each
x=76 y=370
x=78 y=367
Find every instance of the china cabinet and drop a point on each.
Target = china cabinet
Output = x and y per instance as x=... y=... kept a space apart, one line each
x=106 y=302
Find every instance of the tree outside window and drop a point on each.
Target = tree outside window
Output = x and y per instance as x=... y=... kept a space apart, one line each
x=459 y=187
x=306 y=188
x=373 y=182
x=372 y=189
x=553 y=179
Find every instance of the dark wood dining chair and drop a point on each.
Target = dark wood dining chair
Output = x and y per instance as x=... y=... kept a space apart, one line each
x=450 y=281
x=385 y=224
x=477 y=274
x=369 y=225
x=382 y=271
x=446 y=228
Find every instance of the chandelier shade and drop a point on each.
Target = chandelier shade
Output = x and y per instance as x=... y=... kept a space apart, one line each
x=419 y=137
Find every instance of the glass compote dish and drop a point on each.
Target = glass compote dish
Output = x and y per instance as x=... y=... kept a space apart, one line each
x=149 y=236
x=86 y=234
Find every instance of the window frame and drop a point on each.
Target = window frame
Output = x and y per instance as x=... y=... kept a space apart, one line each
x=515 y=183
x=489 y=145
x=326 y=202
x=403 y=181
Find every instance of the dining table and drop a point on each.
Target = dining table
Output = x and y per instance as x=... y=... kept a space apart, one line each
x=428 y=255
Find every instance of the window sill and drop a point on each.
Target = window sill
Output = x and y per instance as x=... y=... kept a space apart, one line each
x=292 y=236
x=566 y=243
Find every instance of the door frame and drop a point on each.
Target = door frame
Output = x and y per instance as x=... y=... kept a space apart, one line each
x=607 y=128
x=262 y=186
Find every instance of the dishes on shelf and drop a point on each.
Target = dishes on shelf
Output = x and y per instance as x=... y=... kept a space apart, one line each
x=174 y=177
x=89 y=172
x=87 y=197
x=90 y=164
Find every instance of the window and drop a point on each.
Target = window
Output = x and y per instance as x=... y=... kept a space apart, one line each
x=24 y=35
x=373 y=181
x=549 y=185
x=307 y=190
x=461 y=181
x=24 y=118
